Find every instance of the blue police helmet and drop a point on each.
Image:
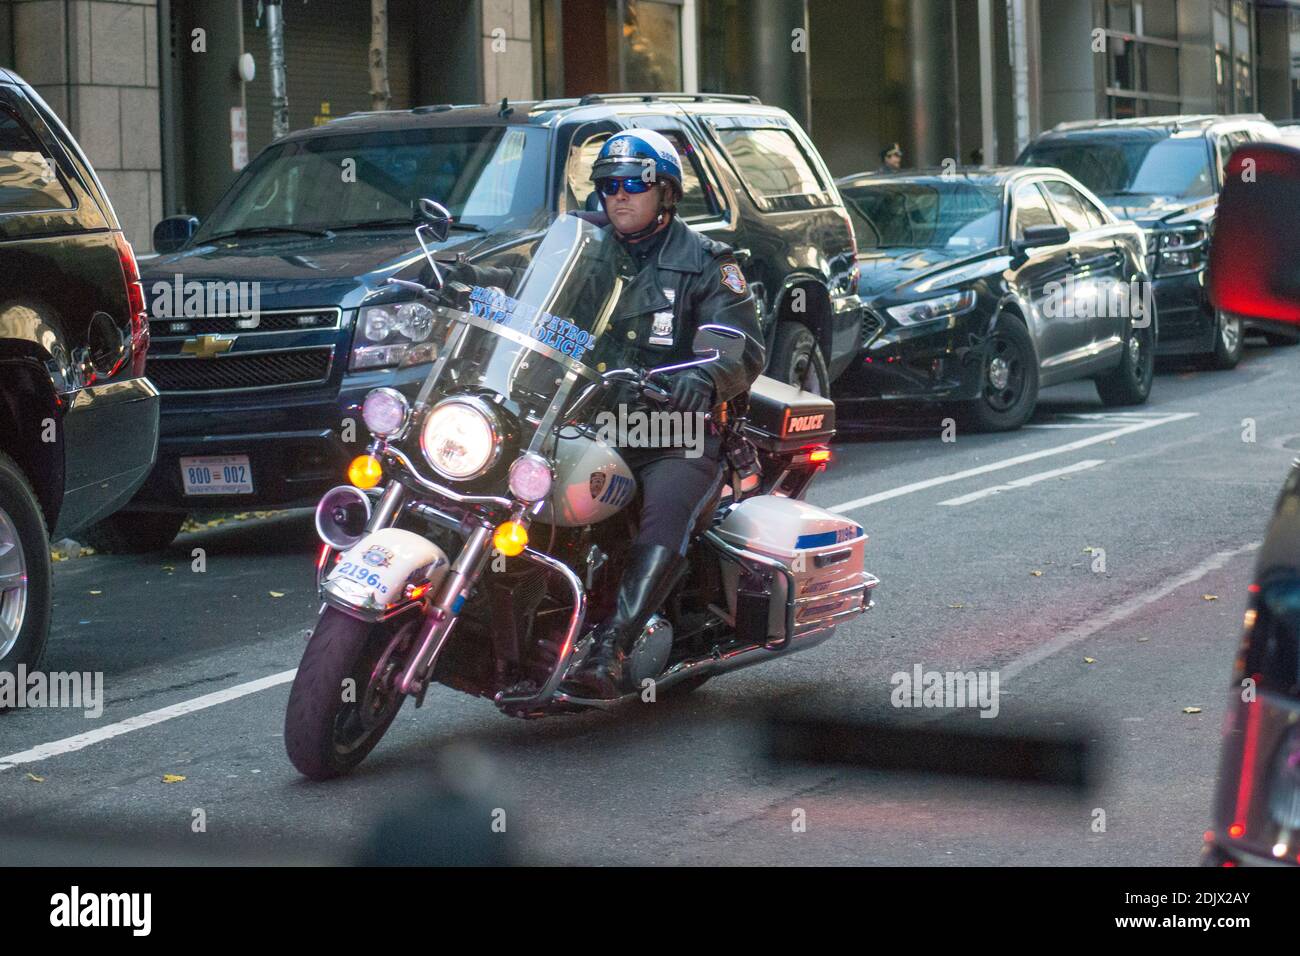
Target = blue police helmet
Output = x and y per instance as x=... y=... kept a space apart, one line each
x=629 y=154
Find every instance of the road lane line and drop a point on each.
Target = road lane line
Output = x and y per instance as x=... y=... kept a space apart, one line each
x=1024 y=482
x=1065 y=449
x=1121 y=611
x=141 y=721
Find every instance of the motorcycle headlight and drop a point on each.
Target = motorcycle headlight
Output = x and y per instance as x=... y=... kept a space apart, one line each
x=530 y=478
x=384 y=411
x=392 y=335
x=927 y=310
x=460 y=438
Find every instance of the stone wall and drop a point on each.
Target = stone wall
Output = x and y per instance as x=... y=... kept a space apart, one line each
x=95 y=62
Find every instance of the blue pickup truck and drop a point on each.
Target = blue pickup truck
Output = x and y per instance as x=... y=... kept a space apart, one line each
x=272 y=319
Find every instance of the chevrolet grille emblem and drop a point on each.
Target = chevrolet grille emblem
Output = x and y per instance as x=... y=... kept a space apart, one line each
x=208 y=346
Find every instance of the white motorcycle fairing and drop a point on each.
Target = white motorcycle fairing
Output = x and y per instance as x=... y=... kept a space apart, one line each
x=371 y=576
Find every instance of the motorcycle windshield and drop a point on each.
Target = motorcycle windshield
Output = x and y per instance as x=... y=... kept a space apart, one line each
x=530 y=328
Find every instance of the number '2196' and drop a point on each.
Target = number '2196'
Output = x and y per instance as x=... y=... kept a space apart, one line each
x=359 y=572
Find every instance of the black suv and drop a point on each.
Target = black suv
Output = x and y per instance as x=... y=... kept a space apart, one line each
x=1165 y=173
x=78 y=421
x=272 y=320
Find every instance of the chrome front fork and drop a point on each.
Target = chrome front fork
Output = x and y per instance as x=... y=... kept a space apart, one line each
x=443 y=610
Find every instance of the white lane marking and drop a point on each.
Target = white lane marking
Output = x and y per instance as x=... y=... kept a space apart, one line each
x=1071 y=425
x=1121 y=611
x=1065 y=449
x=1024 y=482
x=141 y=721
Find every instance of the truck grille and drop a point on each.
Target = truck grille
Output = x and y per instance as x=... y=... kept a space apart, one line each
x=258 y=370
x=244 y=325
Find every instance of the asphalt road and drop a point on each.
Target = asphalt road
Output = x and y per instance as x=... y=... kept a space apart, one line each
x=982 y=547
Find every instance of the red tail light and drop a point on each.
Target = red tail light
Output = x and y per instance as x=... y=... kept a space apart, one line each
x=135 y=303
x=812 y=455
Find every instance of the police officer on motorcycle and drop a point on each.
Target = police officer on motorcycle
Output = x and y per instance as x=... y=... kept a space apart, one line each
x=683 y=280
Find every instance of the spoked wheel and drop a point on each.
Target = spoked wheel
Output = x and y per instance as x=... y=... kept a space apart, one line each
x=344 y=698
x=1010 y=379
x=1130 y=382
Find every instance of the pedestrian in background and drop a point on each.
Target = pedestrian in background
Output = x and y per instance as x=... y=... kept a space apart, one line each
x=891 y=159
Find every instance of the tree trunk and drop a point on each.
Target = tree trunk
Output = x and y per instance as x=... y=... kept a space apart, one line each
x=379 y=92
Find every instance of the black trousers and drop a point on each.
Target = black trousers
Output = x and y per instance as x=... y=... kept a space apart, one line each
x=674 y=490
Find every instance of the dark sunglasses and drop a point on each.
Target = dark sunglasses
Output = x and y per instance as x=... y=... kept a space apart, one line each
x=635 y=185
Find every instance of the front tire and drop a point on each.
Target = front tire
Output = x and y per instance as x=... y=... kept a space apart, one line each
x=1130 y=382
x=133 y=532
x=24 y=572
x=1227 y=342
x=1009 y=389
x=797 y=360
x=331 y=725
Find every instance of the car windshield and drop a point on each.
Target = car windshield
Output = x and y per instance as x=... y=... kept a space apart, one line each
x=1117 y=167
x=484 y=175
x=960 y=216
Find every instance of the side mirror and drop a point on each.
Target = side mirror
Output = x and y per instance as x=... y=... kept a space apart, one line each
x=173 y=232
x=1255 y=251
x=434 y=217
x=1036 y=236
x=726 y=341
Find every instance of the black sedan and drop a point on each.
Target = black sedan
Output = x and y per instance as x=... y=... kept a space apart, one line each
x=984 y=285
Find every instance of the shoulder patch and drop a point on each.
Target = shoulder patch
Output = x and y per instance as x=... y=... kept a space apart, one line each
x=733 y=279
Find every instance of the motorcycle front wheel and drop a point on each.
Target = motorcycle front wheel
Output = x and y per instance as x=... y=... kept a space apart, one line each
x=342 y=700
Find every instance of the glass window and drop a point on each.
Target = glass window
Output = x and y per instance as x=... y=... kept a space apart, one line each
x=652 y=46
x=771 y=162
x=483 y=175
x=961 y=217
x=577 y=171
x=1132 y=167
x=29 y=176
x=1073 y=210
x=697 y=201
x=1030 y=209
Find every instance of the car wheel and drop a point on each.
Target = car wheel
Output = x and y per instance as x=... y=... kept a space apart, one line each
x=1130 y=382
x=133 y=532
x=1227 y=341
x=796 y=359
x=24 y=572
x=1010 y=379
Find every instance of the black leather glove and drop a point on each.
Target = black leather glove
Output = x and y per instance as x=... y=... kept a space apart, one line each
x=692 y=391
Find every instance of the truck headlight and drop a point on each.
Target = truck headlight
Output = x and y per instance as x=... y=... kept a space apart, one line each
x=1183 y=249
x=460 y=438
x=393 y=335
x=940 y=307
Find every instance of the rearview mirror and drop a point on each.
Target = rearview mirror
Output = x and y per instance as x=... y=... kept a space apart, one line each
x=1045 y=235
x=173 y=232
x=726 y=341
x=1255 y=252
x=434 y=217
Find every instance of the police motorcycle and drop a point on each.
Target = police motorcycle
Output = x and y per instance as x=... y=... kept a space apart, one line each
x=488 y=520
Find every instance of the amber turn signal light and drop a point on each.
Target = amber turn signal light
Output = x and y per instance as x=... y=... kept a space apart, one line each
x=365 y=471
x=510 y=538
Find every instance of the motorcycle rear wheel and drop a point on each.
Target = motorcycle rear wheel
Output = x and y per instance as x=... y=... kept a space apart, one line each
x=329 y=725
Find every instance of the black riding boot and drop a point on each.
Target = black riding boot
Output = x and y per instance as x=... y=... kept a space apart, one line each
x=648 y=578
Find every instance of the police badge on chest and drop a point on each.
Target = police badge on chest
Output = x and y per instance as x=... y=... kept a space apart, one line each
x=661 y=328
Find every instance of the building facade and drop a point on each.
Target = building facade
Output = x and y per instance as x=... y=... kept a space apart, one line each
x=170 y=97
